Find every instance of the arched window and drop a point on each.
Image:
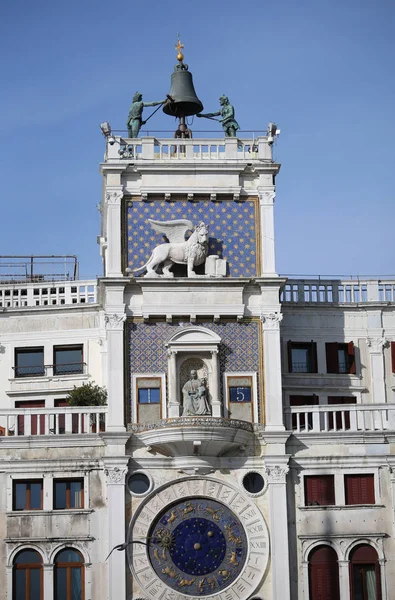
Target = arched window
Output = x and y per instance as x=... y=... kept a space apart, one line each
x=69 y=575
x=364 y=574
x=27 y=576
x=323 y=574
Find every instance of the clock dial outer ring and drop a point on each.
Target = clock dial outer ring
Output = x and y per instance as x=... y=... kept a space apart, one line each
x=254 y=525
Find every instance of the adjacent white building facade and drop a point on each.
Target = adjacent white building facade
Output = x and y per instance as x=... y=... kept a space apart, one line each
x=246 y=451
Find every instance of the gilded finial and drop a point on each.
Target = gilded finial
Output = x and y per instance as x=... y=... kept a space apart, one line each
x=180 y=56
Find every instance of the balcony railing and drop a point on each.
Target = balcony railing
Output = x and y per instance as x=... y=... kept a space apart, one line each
x=50 y=370
x=52 y=421
x=170 y=149
x=344 y=418
x=316 y=291
x=20 y=295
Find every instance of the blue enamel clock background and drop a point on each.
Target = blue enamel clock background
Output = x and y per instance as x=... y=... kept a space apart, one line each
x=233 y=230
x=197 y=546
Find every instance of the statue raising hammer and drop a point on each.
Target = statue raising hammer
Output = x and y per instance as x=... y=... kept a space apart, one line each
x=228 y=121
x=135 y=120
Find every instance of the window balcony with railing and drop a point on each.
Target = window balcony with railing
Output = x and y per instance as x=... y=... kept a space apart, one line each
x=338 y=291
x=22 y=422
x=61 y=293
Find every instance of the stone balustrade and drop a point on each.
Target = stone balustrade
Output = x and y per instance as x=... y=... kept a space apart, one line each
x=340 y=418
x=49 y=293
x=338 y=291
x=52 y=421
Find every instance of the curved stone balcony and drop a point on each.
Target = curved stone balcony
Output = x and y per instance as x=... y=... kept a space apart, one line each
x=195 y=436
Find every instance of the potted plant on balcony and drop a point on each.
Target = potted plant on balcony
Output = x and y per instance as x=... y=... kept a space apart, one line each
x=89 y=394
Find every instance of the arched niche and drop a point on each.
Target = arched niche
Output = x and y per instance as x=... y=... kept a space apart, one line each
x=194 y=346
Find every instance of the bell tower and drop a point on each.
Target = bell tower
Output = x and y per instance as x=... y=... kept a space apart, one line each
x=192 y=318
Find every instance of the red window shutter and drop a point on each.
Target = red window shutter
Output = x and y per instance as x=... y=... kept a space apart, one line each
x=289 y=356
x=314 y=364
x=360 y=489
x=324 y=575
x=367 y=489
x=393 y=356
x=319 y=489
x=351 y=358
x=332 y=357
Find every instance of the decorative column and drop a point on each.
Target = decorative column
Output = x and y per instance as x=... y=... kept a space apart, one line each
x=344 y=579
x=115 y=374
x=115 y=470
x=277 y=469
x=215 y=399
x=113 y=199
x=174 y=403
x=376 y=346
x=266 y=203
x=272 y=367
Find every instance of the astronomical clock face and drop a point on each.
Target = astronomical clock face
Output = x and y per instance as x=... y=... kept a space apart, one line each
x=198 y=544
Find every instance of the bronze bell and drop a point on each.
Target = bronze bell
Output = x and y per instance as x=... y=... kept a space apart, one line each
x=185 y=102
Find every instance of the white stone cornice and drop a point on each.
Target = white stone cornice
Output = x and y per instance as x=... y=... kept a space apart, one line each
x=271 y=320
x=114 y=322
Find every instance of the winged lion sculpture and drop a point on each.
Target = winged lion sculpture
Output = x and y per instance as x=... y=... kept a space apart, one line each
x=192 y=252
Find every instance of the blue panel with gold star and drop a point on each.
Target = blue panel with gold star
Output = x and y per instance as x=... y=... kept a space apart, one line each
x=197 y=546
x=233 y=230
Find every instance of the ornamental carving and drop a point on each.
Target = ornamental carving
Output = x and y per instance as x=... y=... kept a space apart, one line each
x=272 y=320
x=115 y=322
x=115 y=474
x=277 y=473
x=114 y=197
x=377 y=344
x=191 y=421
x=267 y=197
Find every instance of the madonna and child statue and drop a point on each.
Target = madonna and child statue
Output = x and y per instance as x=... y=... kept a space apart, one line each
x=194 y=394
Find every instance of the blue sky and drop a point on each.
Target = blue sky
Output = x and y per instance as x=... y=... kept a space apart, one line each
x=323 y=70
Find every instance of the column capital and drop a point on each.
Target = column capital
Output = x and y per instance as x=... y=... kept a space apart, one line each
x=114 y=195
x=277 y=473
x=266 y=196
x=172 y=352
x=271 y=320
x=114 y=322
x=115 y=474
x=377 y=344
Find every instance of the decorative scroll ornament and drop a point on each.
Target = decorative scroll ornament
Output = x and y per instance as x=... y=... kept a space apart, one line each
x=277 y=473
x=272 y=320
x=377 y=344
x=116 y=474
x=114 y=197
x=115 y=322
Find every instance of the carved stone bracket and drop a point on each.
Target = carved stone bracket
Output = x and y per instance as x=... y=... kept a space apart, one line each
x=272 y=320
x=114 y=196
x=277 y=473
x=116 y=475
x=377 y=344
x=115 y=322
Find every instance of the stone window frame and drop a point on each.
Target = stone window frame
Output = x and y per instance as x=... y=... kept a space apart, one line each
x=254 y=390
x=134 y=394
x=48 y=489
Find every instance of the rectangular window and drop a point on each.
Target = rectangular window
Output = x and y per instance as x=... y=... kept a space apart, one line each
x=27 y=495
x=303 y=401
x=340 y=417
x=302 y=357
x=67 y=360
x=29 y=362
x=340 y=358
x=149 y=396
x=359 y=489
x=68 y=493
x=319 y=490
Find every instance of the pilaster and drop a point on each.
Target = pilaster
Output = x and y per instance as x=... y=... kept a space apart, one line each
x=115 y=470
x=272 y=371
x=266 y=205
x=344 y=579
x=113 y=198
x=376 y=344
x=115 y=377
x=277 y=468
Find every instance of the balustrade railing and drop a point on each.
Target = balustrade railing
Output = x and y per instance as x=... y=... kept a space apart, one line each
x=340 y=418
x=341 y=291
x=19 y=295
x=52 y=421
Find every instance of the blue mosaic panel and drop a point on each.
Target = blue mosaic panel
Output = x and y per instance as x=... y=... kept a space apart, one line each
x=238 y=351
x=198 y=546
x=232 y=229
